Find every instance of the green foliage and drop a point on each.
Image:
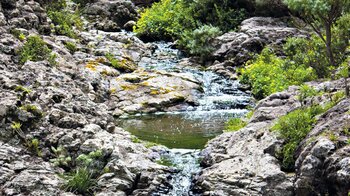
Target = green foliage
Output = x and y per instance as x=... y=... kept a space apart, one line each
x=32 y=109
x=293 y=128
x=16 y=126
x=114 y=62
x=80 y=181
x=89 y=159
x=22 y=89
x=35 y=49
x=308 y=53
x=64 y=19
x=165 y=19
x=333 y=137
x=64 y=22
x=305 y=92
x=83 y=2
x=268 y=74
x=18 y=34
x=71 y=46
x=199 y=41
x=135 y=139
x=224 y=14
x=61 y=157
x=170 y=18
x=235 y=124
x=33 y=145
x=322 y=15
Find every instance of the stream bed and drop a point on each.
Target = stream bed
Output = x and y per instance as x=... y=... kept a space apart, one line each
x=185 y=133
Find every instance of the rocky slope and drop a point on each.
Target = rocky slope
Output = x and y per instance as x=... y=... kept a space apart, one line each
x=71 y=106
x=245 y=163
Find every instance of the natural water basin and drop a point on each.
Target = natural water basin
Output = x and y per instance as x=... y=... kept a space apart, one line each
x=190 y=130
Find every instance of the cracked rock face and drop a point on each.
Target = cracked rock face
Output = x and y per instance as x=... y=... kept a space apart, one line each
x=245 y=163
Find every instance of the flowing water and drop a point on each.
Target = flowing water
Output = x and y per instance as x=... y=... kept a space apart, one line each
x=186 y=132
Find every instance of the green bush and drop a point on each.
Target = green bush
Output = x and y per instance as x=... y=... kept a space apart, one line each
x=170 y=18
x=305 y=92
x=293 y=128
x=268 y=74
x=224 y=14
x=34 y=49
x=165 y=19
x=199 y=41
x=64 y=22
x=80 y=181
x=308 y=53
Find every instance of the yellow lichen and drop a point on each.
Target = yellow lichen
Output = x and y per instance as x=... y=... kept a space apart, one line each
x=127 y=87
x=91 y=65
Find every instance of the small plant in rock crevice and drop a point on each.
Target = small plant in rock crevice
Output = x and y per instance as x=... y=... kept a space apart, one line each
x=34 y=49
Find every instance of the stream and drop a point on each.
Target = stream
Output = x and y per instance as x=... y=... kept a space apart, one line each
x=186 y=133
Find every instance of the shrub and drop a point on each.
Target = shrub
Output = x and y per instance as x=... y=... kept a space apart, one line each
x=170 y=18
x=35 y=49
x=268 y=74
x=224 y=14
x=305 y=92
x=80 y=181
x=165 y=19
x=199 y=41
x=293 y=128
x=64 y=22
x=309 y=53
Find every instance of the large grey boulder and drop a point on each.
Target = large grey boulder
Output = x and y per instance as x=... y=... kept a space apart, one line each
x=252 y=36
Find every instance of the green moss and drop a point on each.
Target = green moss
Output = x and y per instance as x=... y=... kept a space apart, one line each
x=135 y=139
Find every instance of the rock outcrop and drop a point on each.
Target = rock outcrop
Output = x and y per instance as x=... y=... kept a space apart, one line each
x=71 y=105
x=236 y=48
x=245 y=163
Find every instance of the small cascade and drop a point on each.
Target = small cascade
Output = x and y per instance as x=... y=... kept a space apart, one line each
x=186 y=132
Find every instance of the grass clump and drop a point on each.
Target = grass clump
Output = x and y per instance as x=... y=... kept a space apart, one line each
x=293 y=128
x=80 y=181
x=71 y=46
x=235 y=124
x=34 y=49
x=34 y=145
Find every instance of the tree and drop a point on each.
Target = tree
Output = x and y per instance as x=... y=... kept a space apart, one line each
x=321 y=15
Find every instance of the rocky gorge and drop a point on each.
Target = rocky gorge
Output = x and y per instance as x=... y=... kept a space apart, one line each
x=53 y=114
